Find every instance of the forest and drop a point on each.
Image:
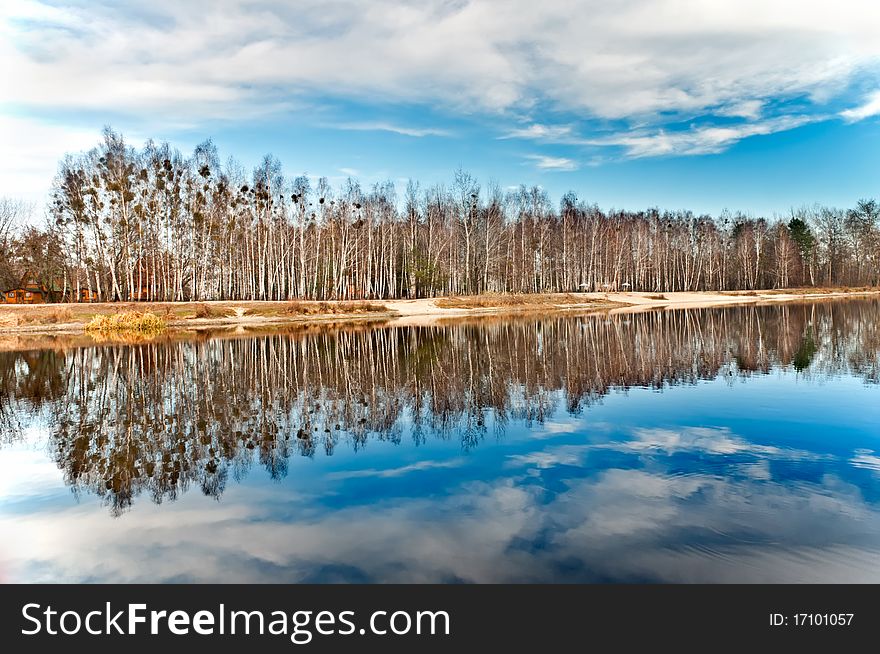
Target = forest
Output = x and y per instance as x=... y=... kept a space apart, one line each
x=125 y=223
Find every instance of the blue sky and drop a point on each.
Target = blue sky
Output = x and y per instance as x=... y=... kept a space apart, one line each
x=700 y=104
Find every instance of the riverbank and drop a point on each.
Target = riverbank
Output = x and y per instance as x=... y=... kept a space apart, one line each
x=72 y=318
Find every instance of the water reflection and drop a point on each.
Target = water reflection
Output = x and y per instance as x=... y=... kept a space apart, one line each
x=677 y=487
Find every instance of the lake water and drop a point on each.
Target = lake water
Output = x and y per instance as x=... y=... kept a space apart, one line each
x=707 y=445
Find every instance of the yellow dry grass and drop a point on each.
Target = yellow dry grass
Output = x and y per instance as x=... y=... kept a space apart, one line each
x=493 y=300
x=128 y=322
x=312 y=308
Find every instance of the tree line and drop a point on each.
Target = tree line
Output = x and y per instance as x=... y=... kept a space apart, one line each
x=153 y=224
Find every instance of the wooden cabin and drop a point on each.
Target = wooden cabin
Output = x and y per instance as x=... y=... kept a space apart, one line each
x=85 y=295
x=23 y=296
x=30 y=291
x=26 y=295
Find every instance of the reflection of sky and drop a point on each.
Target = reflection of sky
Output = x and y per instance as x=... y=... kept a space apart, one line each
x=767 y=478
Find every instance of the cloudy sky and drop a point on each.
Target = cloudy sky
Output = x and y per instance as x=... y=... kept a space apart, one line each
x=701 y=104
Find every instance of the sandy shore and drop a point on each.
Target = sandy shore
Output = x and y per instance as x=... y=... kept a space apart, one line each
x=419 y=312
x=28 y=319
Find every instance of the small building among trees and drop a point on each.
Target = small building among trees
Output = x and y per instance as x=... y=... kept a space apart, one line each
x=85 y=295
x=31 y=291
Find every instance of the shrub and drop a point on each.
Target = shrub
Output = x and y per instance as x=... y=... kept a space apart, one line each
x=203 y=311
x=127 y=321
x=499 y=300
x=314 y=308
x=207 y=311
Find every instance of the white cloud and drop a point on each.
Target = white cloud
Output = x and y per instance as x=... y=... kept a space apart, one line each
x=744 y=109
x=644 y=62
x=706 y=139
x=30 y=151
x=870 y=108
x=396 y=129
x=543 y=162
x=540 y=132
x=220 y=59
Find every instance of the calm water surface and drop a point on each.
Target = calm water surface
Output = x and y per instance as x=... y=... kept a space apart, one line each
x=736 y=444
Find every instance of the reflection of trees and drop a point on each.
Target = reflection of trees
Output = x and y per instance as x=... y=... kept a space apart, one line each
x=28 y=380
x=159 y=417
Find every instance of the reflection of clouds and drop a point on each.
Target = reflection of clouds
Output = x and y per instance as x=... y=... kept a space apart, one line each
x=702 y=528
x=550 y=457
x=394 y=472
x=622 y=502
x=572 y=425
x=755 y=469
x=716 y=441
x=24 y=474
x=866 y=459
x=242 y=540
x=711 y=440
x=552 y=429
x=532 y=523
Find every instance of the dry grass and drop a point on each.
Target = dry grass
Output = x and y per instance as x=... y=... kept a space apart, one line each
x=29 y=317
x=205 y=311
x=820 y=290
x=492 y=300
x=126 y=322
x=51 y=315
x=59 y=315
x=804 y=290
x=298 y=308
